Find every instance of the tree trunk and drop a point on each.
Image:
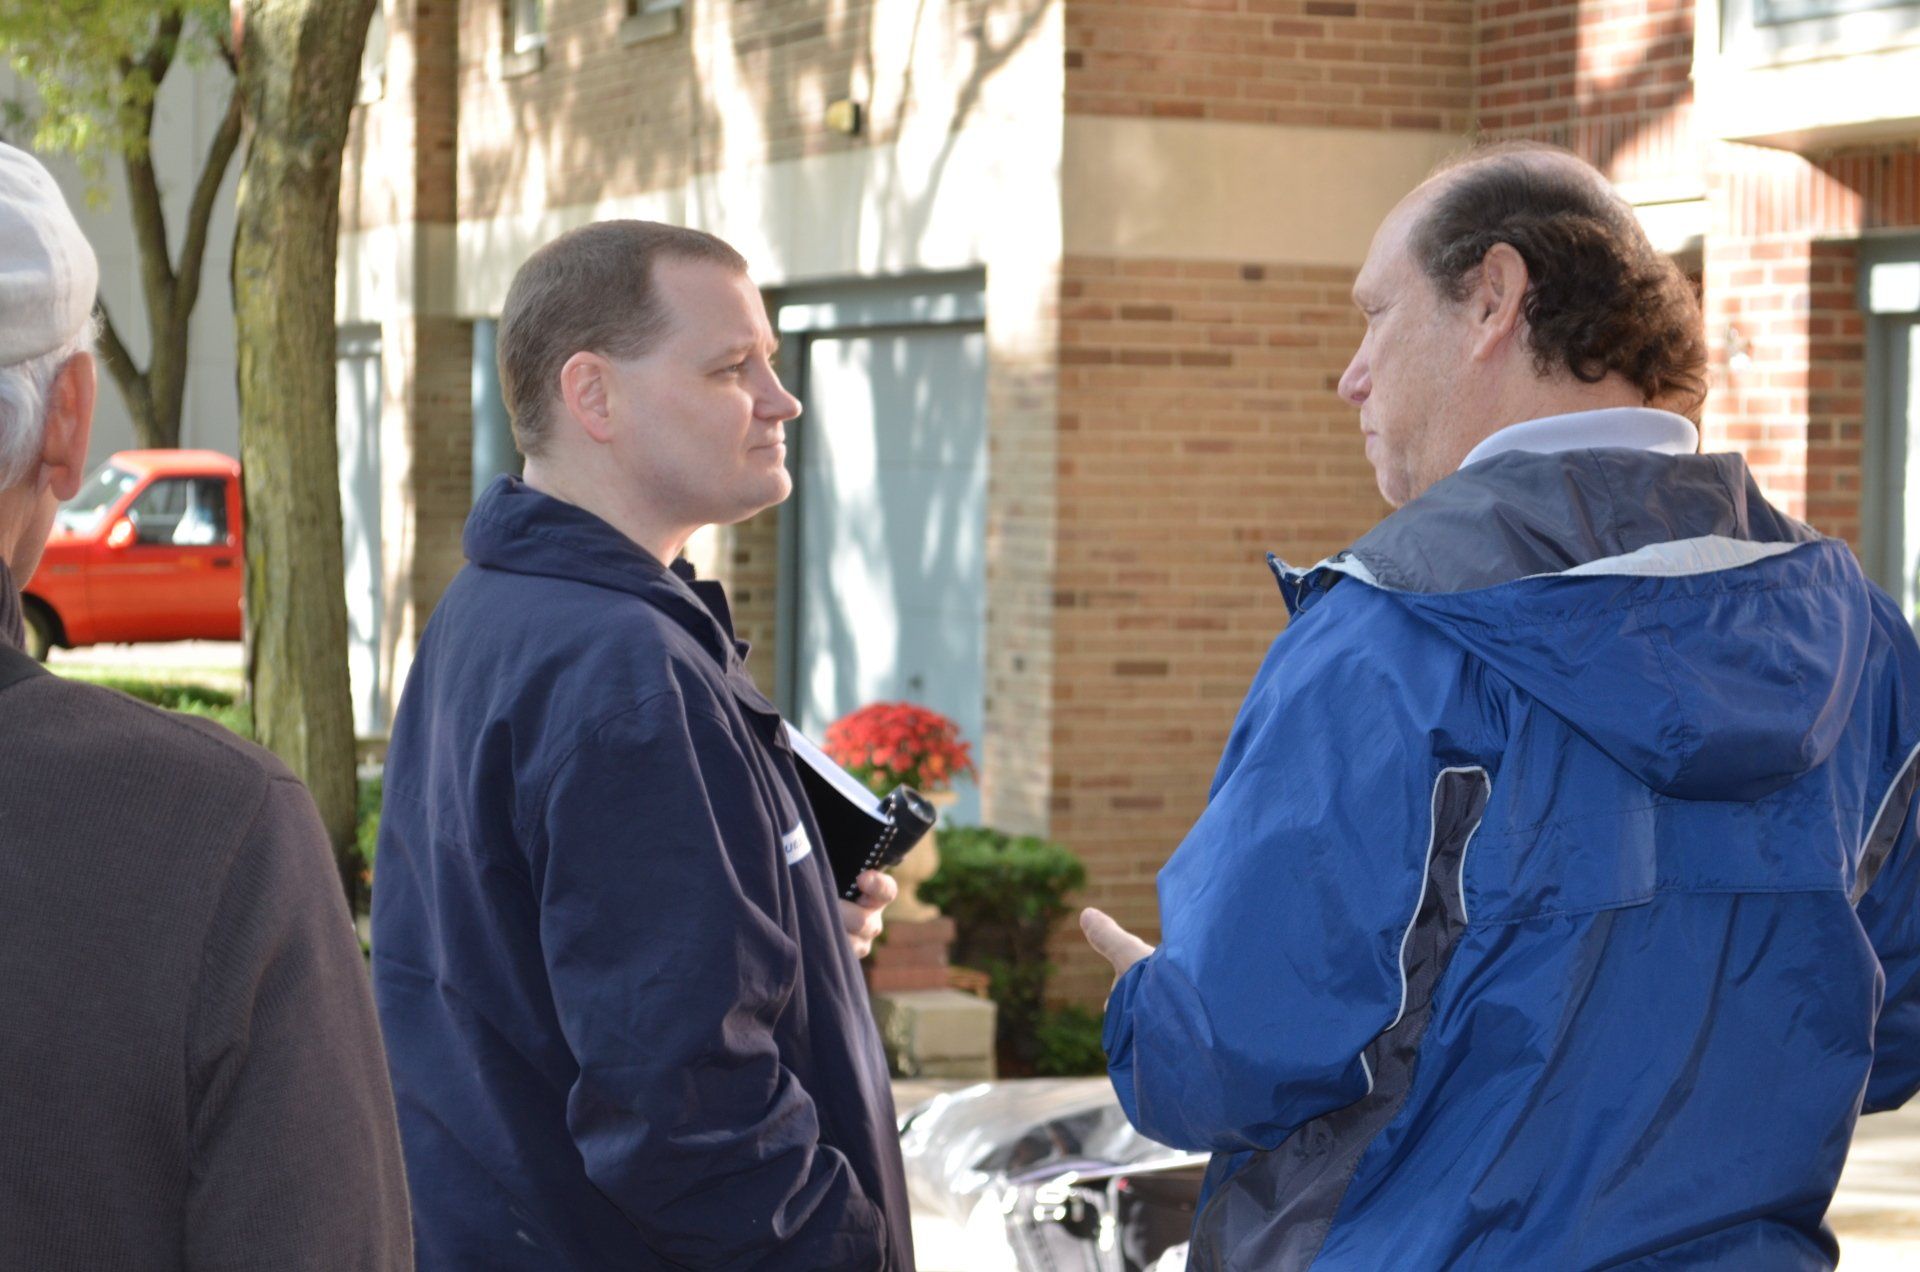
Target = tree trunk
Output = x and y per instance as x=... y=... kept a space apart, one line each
x=298 y=64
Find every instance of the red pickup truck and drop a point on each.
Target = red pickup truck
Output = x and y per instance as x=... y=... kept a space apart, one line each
x=150 y=549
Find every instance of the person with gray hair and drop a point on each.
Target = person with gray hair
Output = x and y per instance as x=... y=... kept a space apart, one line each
x=191 y=1075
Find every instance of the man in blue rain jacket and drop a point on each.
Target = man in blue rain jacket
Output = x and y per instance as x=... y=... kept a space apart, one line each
x=625 y=1020
x=1555 y=906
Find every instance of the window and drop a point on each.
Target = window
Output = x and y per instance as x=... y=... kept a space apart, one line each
x=182 y=511
x=101 y=491
x=1776 y=12
x=649 y=20
x=1761 y=32
x=526 y=25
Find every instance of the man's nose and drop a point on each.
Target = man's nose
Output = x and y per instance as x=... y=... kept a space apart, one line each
x=1355 y=384
x=775 y=403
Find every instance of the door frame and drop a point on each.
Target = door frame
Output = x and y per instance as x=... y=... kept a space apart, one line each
x=367 y=341
x=919 y=303
x=1885 y=441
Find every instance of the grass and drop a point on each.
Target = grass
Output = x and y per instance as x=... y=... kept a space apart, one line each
x=192 y=698
x=223 y=707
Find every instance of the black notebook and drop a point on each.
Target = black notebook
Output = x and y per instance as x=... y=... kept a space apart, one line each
x=862 y=831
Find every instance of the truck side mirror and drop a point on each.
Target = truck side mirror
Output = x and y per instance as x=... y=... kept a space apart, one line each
x=123 y=534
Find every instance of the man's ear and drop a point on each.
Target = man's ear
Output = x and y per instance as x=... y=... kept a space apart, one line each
x=1498 y=299
x=584 y=393
x=63 y=447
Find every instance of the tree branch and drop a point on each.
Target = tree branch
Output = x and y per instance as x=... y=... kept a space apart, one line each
x=132 y=381
x=166 y=42
x=143 y=186
x=206 y=193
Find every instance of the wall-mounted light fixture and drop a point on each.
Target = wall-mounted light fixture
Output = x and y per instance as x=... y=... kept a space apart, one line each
x=845 y=116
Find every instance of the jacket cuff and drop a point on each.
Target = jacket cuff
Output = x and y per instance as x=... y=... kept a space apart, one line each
x=1116 y=1036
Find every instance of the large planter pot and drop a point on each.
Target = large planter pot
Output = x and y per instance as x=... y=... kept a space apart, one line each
x=916 y=868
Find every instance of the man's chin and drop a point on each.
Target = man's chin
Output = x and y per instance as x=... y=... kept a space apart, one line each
x=1392 y=487
x=776 y=492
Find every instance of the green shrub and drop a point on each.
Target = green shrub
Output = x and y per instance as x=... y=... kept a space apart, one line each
x=1004 y=894
x=367 y=831
x=1068 y=1043
x=217 y=705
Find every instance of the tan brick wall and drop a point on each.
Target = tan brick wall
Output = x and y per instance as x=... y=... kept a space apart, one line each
x=748 y=565
x=1200 y=428
x=1324 y=63
x=400 y=146
x=399 y=177
x=427 y=471
x=1019 y=757
x=738 y=83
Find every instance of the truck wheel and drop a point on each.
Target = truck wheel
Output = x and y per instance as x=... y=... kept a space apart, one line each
x=39 y=629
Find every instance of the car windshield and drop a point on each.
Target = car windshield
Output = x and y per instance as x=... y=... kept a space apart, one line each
x=101 y=491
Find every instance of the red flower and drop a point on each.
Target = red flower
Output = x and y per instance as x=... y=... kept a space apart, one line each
x=891 y=744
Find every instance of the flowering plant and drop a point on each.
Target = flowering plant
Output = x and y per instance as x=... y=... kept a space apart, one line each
x=890 y=744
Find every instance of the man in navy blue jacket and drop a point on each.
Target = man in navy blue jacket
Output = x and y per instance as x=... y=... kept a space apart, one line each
x=621 y=999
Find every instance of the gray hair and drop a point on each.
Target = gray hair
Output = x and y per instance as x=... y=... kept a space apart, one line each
x=24 y=391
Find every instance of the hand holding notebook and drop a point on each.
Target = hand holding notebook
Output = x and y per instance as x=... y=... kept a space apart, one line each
x=861 y=831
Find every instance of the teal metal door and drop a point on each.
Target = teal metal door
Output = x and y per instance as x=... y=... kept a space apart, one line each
x=887 y=530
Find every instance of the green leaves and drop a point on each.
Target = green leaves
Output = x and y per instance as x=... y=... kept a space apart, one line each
x=1004 y=894
x=90 y=68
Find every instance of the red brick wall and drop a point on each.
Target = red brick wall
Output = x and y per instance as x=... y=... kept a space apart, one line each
x=1327 y=63
x=1199 y=429
x=1610 y=80
x=1836 y=390
x=1782 y=281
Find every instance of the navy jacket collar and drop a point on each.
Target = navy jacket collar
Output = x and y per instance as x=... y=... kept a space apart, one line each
x=516 y=528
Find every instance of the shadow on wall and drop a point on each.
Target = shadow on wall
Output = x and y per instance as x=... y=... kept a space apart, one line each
x=761 y=80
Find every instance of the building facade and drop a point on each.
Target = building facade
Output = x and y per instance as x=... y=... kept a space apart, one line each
x=1063 y=287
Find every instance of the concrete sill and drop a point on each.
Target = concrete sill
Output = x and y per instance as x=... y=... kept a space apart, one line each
x=525 y=62
x=655 y=25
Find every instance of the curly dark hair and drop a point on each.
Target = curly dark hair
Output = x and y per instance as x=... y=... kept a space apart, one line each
x=1600 y=299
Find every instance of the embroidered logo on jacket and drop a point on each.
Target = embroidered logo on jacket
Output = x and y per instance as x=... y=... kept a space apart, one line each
x=795 y=844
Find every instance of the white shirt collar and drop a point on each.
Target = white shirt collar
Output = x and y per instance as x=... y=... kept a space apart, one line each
x=1629 y=427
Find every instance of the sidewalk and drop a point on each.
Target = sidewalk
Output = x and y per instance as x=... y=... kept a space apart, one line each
x=1876 y=1212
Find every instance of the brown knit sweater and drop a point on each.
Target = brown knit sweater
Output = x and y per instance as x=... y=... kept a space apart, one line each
x=190 y=1070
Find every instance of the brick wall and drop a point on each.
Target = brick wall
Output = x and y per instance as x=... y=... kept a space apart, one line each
x=747 y=563
x=738 y=83
x=1324 y=63
x=1199 y=429
x=1781 y=289
x=399 y=175
x=399 y=162
x=1019 y=757
x=1836 y=390
x=1609 y=80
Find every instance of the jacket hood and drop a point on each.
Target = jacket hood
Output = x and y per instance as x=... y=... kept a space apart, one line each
x=515 y=528
x=1657 y=604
